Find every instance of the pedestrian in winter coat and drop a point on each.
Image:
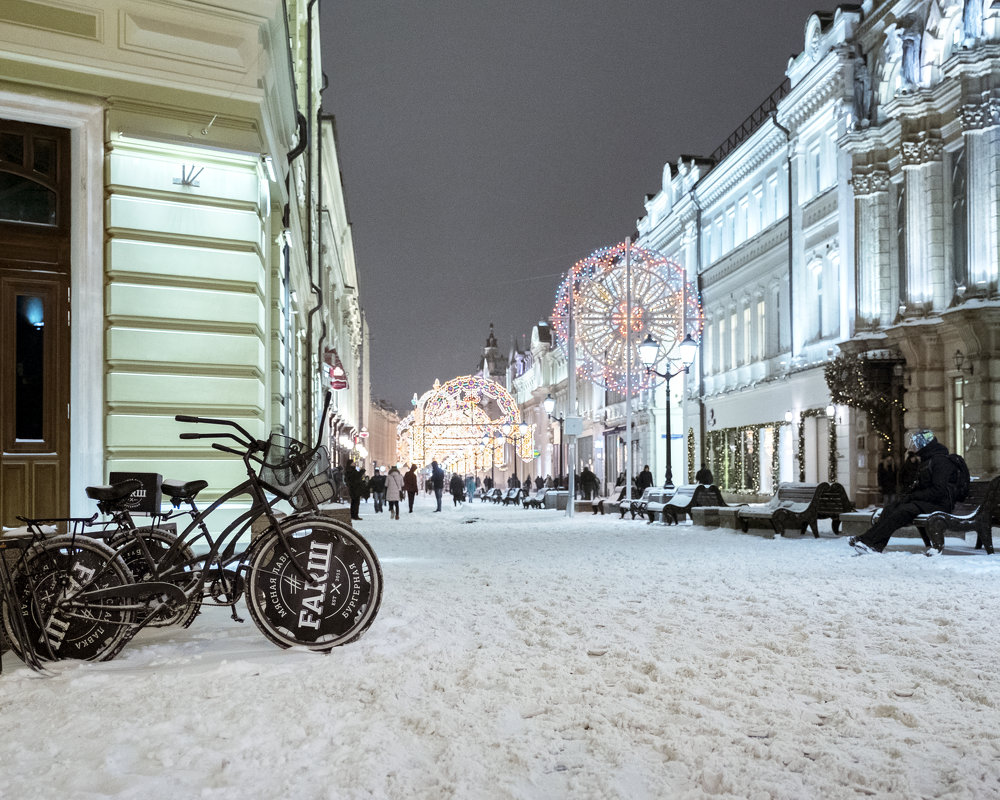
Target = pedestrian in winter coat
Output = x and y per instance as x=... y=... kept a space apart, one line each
x=470 y=487
x=548 y=482
x=933 y=491
x=338 y=482
x=394 y=491
x=588 y=483
x=887 y=479
x=410 y=485
x=355 y=480
x=457 y=488
x=437 y=481
x=376 y=485
x=644 y=479
x=539 y=482
x=705 y=476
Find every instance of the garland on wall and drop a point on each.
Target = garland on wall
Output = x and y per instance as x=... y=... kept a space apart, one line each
x=855 y=382
x=690 y=445
x=832 y=434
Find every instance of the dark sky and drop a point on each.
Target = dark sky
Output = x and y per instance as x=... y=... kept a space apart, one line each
x=486 y=146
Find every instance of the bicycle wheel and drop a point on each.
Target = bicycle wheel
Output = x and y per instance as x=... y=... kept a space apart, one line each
x=54 y=573
x=140 y=559
x=334 y=610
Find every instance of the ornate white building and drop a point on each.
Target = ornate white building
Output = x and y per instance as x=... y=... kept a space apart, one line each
x=844 y=243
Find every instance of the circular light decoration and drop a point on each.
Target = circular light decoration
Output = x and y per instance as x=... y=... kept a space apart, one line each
x=664 y=306
x=459 y=424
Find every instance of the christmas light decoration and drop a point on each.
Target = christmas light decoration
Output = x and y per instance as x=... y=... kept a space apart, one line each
x=663 y=305
x=458 y=423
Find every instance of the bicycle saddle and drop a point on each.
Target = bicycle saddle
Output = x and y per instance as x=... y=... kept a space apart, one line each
x=182 y=490
x=117 y=491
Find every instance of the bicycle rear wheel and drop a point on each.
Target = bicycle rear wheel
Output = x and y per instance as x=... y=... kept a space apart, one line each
x=155 y=545
x=337 y=607
x=52 y=575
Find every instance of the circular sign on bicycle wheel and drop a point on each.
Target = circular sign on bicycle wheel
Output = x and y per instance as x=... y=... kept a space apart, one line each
x=320 y=591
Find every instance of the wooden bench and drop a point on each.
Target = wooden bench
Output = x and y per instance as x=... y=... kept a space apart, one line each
x=796 y=504
x=621 y=505
x=976 y=513
x=649 y=495
x=535 y=501
x=512 y=496
x=494 y=495
x=598 y=503
x=831 y=504
x=684 y=500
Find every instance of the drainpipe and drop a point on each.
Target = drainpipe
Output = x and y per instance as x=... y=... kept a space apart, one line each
x=791 y=251
x=310 y=209
x=701 y=361
x=317 y=285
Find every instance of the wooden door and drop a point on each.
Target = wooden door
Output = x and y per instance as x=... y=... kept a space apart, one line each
x=34 y=321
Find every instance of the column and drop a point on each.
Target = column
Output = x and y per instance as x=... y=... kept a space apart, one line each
x=980 y=129
x=923 y=176
x=876 y=289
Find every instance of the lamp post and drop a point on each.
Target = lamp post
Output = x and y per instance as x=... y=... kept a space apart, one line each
x=488 y=441
x=649 y=352
x=549 y=404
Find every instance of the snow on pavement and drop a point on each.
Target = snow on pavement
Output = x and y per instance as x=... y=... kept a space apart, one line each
x=522 y=654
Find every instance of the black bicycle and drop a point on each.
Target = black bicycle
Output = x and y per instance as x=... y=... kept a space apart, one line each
x=308 y=580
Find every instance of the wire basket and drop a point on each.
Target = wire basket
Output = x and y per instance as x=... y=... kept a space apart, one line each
x=287 y=464
x=318 y=487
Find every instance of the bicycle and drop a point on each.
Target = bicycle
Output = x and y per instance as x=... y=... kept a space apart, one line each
x=308 y=580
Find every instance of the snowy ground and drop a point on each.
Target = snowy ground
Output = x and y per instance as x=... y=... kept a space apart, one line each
x=519 y=654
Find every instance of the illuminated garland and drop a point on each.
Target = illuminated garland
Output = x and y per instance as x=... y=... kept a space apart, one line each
x=691 y=461
x=852 y=382
x=663 y=305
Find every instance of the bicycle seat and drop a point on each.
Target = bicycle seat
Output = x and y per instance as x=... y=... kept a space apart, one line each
x=113 y=493
x=182 y=490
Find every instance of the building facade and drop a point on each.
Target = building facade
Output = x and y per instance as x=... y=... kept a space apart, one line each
x=161 y=237
x=844 y=245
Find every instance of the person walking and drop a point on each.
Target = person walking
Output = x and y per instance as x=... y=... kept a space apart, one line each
x=410 y=485
x=376 y=485
x=355 y=480
x=470 y=487
x=394 y=491
x=457 y=488
x=588 y=483
x=644 y=479
x=936 y=489
x=887 y=479
x=437 y=483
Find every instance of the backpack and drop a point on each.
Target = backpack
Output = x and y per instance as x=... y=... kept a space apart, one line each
x=962 y=478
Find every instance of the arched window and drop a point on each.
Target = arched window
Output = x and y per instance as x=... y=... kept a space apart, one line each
x=28 y=176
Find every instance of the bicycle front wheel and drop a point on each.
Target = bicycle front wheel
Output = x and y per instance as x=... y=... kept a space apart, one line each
x=50 y=584
x=336 y=606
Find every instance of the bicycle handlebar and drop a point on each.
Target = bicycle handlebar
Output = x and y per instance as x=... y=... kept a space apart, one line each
x=225 y=449
x=212 y=421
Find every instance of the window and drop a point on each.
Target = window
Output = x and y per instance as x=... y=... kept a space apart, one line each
x=761 y=329
x=717 y=246
x=722 y=344
x=706 y=241
x=814 y=170
x=729 y=229
x=755 y=222
x=742 y=217
x=747 y=335
x=959 y=220
x=732 y=339
x=773 y=202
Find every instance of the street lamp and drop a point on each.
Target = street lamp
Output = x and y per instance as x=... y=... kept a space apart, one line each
x=649 y=352
x=549 y=404
x=488 y=441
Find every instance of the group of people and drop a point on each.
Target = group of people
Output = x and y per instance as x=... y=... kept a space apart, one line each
x=386 y=487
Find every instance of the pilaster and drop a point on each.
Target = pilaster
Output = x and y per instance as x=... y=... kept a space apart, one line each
x=923 y=176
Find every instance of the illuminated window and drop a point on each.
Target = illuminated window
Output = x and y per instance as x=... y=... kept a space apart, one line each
x=761 y=329
x=747 y=335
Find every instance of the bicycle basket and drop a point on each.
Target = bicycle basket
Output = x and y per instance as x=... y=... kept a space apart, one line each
x=286 y=466
x=318 y=488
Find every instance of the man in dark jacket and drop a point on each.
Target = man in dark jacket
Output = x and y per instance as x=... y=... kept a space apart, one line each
x=705 y=476
x=644 y=479
x=588 y=483
x=437 y=482
x=933 y=491
x=355 y=480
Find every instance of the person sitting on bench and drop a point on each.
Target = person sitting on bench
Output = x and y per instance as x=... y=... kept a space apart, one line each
x=933 y=490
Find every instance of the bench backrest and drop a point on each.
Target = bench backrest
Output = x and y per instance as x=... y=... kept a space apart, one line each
x=981 y=492
x=834 y=500
x=683 y=495
x=705 y=495
x=792 y=495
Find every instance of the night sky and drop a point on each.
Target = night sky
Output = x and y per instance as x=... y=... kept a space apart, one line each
x=487 y=146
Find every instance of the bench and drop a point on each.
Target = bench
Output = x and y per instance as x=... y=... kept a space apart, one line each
x=799 y=504
x=512 y=496
x=649 y=495
x=977 y=512
x=536 y=501
x=598 y=503
x=622 y=503
x=685 y=499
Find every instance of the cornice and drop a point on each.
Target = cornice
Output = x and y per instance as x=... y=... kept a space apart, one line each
x=746 y=253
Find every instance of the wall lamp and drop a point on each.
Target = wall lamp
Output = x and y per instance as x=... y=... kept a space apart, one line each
x=960 y=363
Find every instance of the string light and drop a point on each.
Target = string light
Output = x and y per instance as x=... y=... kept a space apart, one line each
x=663 y=305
